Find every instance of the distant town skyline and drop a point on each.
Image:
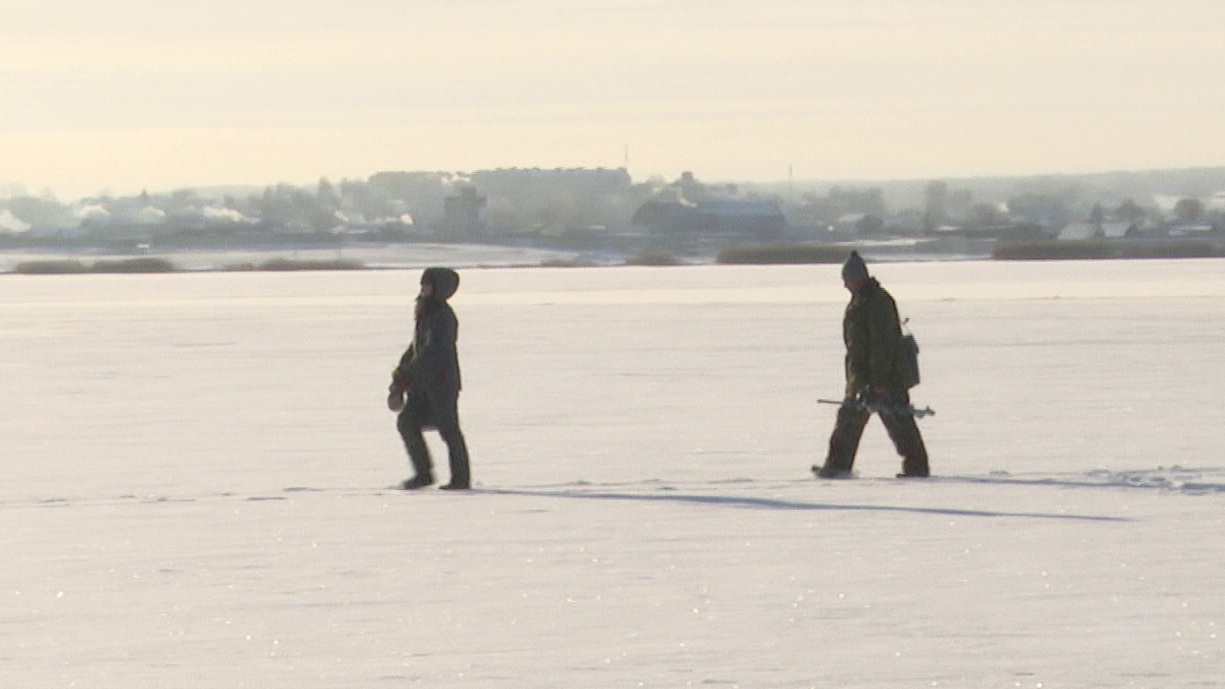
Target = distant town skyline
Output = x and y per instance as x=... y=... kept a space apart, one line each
x=135 y=95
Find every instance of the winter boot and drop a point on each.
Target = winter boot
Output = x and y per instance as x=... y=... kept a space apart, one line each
x=828 y=471
x=418 y=481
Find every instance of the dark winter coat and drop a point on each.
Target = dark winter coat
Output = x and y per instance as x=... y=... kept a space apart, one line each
x=873 y=336
x=431 y=363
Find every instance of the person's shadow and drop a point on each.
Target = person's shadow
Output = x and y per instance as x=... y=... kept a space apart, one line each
x=748 y=502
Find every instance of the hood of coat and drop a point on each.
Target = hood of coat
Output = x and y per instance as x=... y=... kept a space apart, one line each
x=865 y=289
x=444 y=280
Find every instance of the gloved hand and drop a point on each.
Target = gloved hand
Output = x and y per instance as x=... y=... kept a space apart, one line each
x=874 y=396
x=395 y=396
x=865 y=395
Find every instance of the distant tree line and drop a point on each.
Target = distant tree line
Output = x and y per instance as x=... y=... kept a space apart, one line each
x=587 y=206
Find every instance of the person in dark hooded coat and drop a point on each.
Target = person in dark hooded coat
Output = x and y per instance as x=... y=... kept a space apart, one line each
x=426 y=384
x=875 y=378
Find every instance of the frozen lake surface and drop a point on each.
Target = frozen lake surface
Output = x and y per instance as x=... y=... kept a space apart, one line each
x=194 y=485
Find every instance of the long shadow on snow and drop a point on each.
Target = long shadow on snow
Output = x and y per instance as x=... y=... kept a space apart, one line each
x=1167 y=480
x=773 y=504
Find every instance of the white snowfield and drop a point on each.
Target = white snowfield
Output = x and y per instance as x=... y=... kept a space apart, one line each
x=194 y=485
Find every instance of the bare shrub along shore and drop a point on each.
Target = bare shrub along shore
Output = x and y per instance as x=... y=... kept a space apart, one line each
x=74 y=266
x=1088 y=249
x=777 y=254
x=162 y=265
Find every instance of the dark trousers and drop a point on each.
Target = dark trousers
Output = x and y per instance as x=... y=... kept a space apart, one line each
x=903 y=431
x=422 y=411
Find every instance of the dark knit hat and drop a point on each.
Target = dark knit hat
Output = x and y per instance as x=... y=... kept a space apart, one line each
x=854 y=268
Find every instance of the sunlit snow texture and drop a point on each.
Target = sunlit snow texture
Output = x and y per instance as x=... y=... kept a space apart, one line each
x=194 y=486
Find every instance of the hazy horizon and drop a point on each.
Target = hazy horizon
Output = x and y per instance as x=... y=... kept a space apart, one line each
x=138 y=95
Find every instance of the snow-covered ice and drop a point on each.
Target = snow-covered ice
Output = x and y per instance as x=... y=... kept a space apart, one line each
x=193 y=491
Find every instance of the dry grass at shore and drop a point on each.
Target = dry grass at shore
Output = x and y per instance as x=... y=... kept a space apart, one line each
x=653 y=258
x=74 y=266
x=161 y=265
x=566 y=263
x=287 y=264
x=783 y=254
x=1102 y=249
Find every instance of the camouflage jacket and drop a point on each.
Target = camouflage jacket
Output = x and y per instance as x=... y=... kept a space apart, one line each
x=873 y=336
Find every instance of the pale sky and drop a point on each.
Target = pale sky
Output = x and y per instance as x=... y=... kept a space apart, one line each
x=129 y=94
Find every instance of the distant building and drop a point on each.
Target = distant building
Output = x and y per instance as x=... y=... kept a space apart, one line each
x=716 y=219
x=529 y=181
x=1191 y=230
x=461 y=214
x=848 y=223
x=1216 y=202
x=11 y=223
x=1103 y=230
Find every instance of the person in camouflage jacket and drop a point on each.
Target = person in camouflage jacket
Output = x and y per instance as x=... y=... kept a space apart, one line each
x=876 y=380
